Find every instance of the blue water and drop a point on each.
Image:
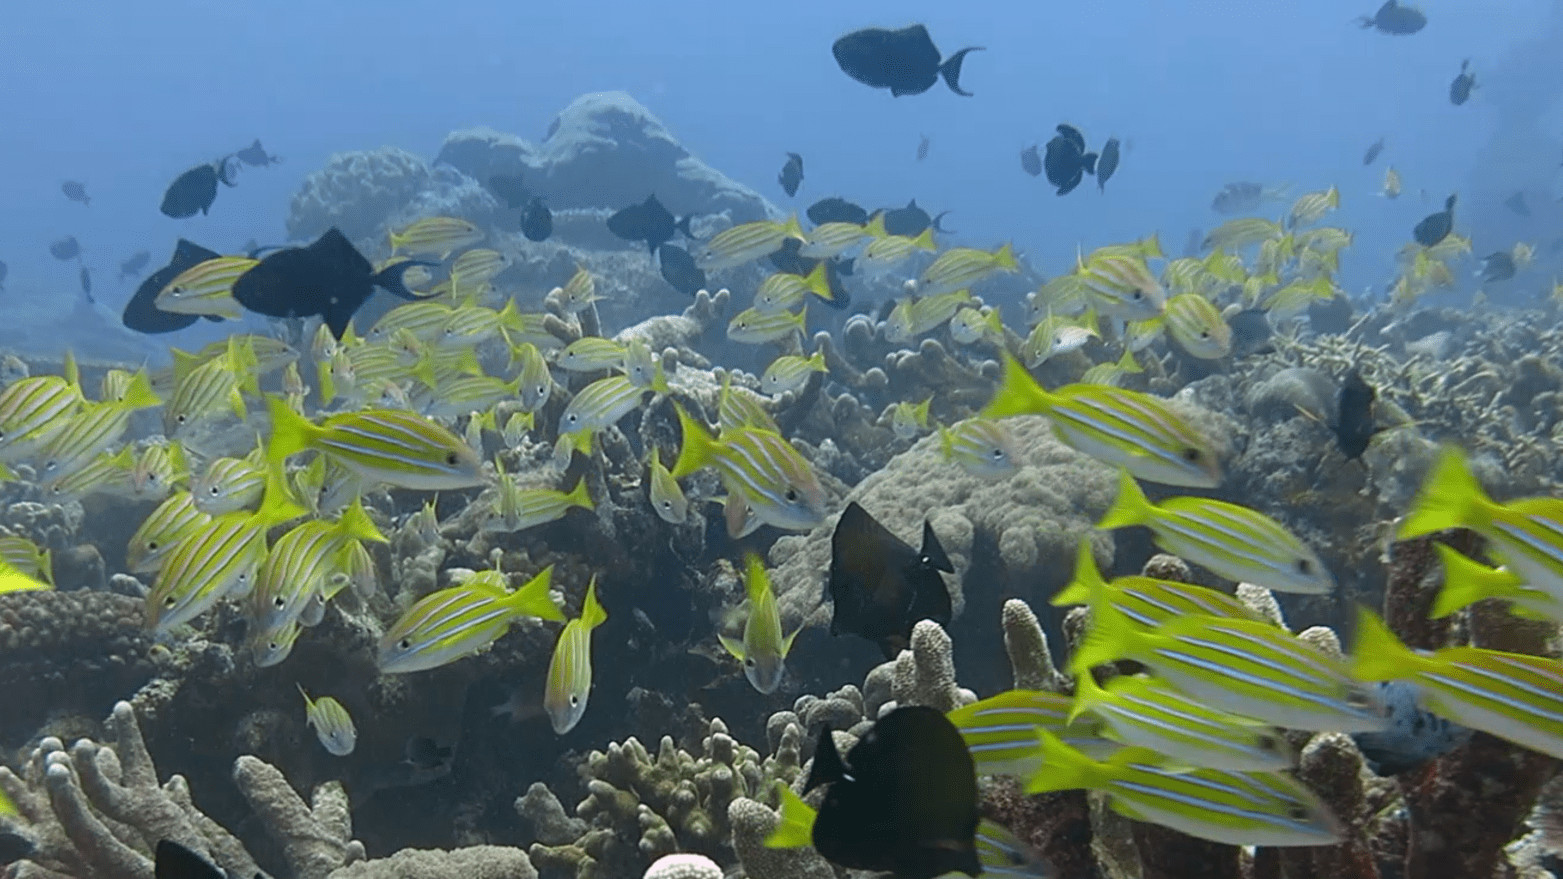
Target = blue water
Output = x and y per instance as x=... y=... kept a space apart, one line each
x=126 y=96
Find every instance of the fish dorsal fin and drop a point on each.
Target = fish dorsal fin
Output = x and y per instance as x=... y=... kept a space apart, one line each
x=932 y=554
x=827 y=766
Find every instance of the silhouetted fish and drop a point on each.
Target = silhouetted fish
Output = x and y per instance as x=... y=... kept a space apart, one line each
x=1066 y=161
x=142 y=315
x=1373 y=150
x=836 y=210
x=86 y=283
x=14 y=847
x=174 y=861
x=75 y=190
x=4 y=270
x=1460 y=88
x=537 y=221
x=880 y=586
x=1435 y=227
x=679 y=269
x=648 y=221
x=922 y=147
x=194 y=191
x=1497 y=266
x=1106 y=164
x=329 y=278
x=911 y=220
x=1031 y=161
x=135 y=264
x=791 y=176
x=1516 y=203
x=66 y=248
x=904 y=61
x=509 y=189
x=1392 y=18
x=1354 y=425
x=903 y=802
x=256 y=156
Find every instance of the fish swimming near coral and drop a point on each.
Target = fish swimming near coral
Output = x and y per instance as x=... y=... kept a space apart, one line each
x=141 y=312
x=1355 y=424
x=537 y=221
x=679 y=269
x=570 y=669
x=648 y=221
x=880 y=587
x=905 y=61
x=1435 y=227
x=194 y=191
x=329 y=278
x=904 y=801
x=791 y=175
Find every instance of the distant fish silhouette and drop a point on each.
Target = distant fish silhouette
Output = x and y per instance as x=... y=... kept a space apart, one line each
x=67 y=248
x=142 y=315
x=1106 y=164
x=1392 y=18
x=791 y=176
x=1065 y=161
x=194 y=191
x=922 y=147
x=1460 y=88
x=4 y=270
x=329 y=278
x=1031 y=161
x=880 y=587
x=1516 y=203
x=1435 y=227
x=86 y=283
x=75 y=190
x=1373 y=150
x=679 y=269
x=911 y=220
x=537 y=221
x=135 y=264
x=836 y=210
x=650 y=222
x=904 y=61
x=904 y=801
x=256 y=156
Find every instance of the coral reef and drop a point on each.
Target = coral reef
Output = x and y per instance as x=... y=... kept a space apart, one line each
x=356 y=192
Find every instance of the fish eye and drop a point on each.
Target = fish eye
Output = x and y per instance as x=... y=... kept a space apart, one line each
x=1204 y=334
x=1138 y=295
x=214 y=491
x=998 y=454
x=792 y=494
x=1304 y=566
x=451 y=459
x=152 y=544
x=405 y=644
x=1297 y=813
x=575 y=701
x=279 y=602
x=749 y=662
x=1191 y=454
x=179 y=418
x=170 y=601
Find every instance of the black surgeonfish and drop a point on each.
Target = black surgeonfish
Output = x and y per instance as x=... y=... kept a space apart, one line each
x=142 y=315
x=1435 y=227
x=329 y=278
x=679 y=269
x=791 y=176
x=537 y=221
x=1354 y=425
x=650 y=222
x=903 y=802
x=880 y=586
x=836 y=210
x=904 y=61
x=194 y=191
x=1497 y=266
x=174 y=861
x=1066 y=161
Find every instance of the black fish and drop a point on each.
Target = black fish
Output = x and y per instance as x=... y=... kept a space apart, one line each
x=1435 y=227
x=1354 y=425
x=135 y=265
x=1497 y=266
x=174 y=861
x=86 y=283
x=650 y=222
x=75 y=190
x=922 y=147
x=1066 y=161
x=329 y=278
x=14 y=847
x=66 y=248
x=1460 y=88
x=1516 y=203
x=510 y=190
x=836 y=210
x=904 y=801
x=194 y=191
x=791 y=176
x=537 y=221
x=1373 y=150
x=1238 y=197
x=1392 y=18
x=142 y=315
x=1031 y=161
x=1107 y=163
x=256 y=156
x=904 y=61
x=679 y=269
x=911 y=220
x=880 y=586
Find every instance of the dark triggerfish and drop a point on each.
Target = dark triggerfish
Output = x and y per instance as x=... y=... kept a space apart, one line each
x=1355 y=424
x=141 y=312
x=903 y=802
x=881 y=586
x=194 y=191
x=904 y=61
x=329 y=278
x=1434 y=228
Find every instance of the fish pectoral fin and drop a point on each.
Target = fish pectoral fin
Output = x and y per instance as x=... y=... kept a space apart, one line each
x=733 y=646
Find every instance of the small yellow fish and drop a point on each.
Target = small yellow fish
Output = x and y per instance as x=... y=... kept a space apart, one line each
x=739 y=244
x=763 y=648
x=667 y=498
x=790 y=372
x=1391 y=187
x=13 y=580
x=982 y=447
x=908 y=419
x=436 y=236
x=570 y=669
x=578 y=292
x=333 y=726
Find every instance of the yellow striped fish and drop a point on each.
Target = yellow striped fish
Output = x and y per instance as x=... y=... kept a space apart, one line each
x=173 y=520
x=739 y=244
x=981 y=446
x=379 y=445
x=772 y=478
x=454 y=623
x=1197 y=326
x=961 y=267
x=1144 y=712
x=1000 y=731
x=27 y=557
x=32 y=411
x=602 y=403
x=333 y=726
x=206 y=288
x=763 y=648
x=435 y=236
x=1147 y=601
x=13 y=580
x=570 y=669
